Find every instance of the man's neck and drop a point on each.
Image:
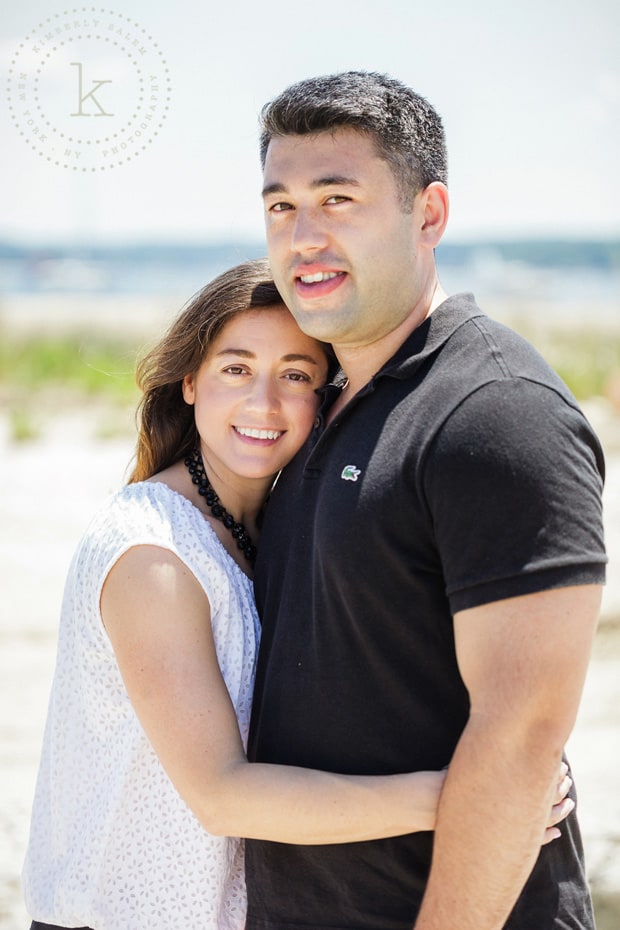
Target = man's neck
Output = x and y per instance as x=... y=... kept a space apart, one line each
x=361 y=363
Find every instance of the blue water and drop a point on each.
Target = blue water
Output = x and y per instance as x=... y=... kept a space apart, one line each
x=562 y=278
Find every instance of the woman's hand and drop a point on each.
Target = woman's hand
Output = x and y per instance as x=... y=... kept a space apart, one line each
x=562 y=805
x=429 y=785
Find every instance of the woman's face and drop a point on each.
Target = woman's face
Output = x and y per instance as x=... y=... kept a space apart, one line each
x=254 y=393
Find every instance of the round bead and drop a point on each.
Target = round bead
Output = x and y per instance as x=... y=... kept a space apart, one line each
x=199 y=477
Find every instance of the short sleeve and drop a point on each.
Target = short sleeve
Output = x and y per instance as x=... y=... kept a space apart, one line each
x=514 y=482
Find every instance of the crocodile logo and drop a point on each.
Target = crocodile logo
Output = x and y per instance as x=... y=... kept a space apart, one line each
x=350 y=473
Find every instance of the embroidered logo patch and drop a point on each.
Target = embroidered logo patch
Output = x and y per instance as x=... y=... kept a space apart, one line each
x=350 y=473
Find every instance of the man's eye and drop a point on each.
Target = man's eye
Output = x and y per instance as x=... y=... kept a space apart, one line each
x=337 y=198
x=280 y=207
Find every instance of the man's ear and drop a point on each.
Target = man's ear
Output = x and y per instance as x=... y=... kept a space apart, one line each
x=435 y=204
x=187 y=386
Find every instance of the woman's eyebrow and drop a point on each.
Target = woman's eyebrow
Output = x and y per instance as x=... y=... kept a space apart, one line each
x=299 y=357
x=289 y=357
x=245 y=353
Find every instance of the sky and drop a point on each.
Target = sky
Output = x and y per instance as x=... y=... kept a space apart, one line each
x=529 y=93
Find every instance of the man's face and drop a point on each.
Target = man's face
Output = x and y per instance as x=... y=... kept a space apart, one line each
x=342 y=251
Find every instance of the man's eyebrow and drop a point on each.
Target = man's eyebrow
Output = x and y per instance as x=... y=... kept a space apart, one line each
x=331 y=180
x=273 y=189
x=335 y=180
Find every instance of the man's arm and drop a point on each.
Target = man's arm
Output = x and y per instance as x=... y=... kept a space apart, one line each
x=524 y=662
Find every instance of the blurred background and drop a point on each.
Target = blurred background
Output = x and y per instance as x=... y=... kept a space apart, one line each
x=129 y=176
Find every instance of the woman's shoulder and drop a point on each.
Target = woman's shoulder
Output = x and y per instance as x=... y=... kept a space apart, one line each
x=154 y=513
x=148 y=513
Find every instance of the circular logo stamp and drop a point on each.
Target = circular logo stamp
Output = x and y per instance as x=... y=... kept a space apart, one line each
x=88 y=89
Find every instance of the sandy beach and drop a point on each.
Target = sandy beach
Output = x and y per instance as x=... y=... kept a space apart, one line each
x=49 y=488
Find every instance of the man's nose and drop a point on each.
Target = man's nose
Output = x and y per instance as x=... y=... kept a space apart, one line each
x=309 y=231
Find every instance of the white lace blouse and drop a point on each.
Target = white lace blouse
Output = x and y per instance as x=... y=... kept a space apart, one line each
x=112 y=845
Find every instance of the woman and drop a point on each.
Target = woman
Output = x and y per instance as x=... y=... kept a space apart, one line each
x=143 y=778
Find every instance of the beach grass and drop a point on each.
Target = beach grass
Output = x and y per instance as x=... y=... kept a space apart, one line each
x=41 y=376
x=588 y=361
x=66 y=369
x=93 y=365
x=99 y=365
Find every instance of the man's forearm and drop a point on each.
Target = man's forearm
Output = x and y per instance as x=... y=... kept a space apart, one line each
x=487 y=837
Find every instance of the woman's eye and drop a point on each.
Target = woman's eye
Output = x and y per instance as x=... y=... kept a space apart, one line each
x=234 y=370
x=298 y=376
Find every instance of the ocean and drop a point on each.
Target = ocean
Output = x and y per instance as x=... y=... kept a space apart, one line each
x=567 y=278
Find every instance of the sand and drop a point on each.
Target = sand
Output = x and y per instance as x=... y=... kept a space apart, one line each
x=48 y=489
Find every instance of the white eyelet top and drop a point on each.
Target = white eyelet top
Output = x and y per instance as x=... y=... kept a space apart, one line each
x=112 y=845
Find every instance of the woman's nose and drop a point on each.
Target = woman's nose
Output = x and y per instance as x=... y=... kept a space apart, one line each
x=263 y=394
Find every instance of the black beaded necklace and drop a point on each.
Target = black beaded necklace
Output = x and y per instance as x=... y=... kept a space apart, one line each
x=196 y=469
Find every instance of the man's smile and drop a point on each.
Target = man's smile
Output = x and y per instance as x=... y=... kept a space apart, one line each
x=319 y=276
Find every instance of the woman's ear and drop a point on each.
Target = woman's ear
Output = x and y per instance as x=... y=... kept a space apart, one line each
x=187 y=386
x=435 y=203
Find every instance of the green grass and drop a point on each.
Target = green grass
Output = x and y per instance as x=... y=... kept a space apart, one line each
x=22 y=425
x=588 y=361
x=82 y=365
x=74 y=367
x=41 y=376
x=589 y=368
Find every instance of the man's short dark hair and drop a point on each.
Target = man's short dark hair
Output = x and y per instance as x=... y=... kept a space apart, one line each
x=407 y=131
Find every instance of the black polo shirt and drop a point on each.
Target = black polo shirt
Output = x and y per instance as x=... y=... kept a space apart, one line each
x=463 y=473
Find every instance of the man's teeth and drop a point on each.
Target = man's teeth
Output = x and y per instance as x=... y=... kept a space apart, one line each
x=319 y=276
x=259 y=433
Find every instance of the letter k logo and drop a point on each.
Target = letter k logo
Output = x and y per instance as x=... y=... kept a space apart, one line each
x=82 y=97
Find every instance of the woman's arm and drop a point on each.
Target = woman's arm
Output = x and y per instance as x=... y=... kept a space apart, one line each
x=158 y=620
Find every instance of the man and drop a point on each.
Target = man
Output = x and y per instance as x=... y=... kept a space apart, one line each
x=433 y=558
